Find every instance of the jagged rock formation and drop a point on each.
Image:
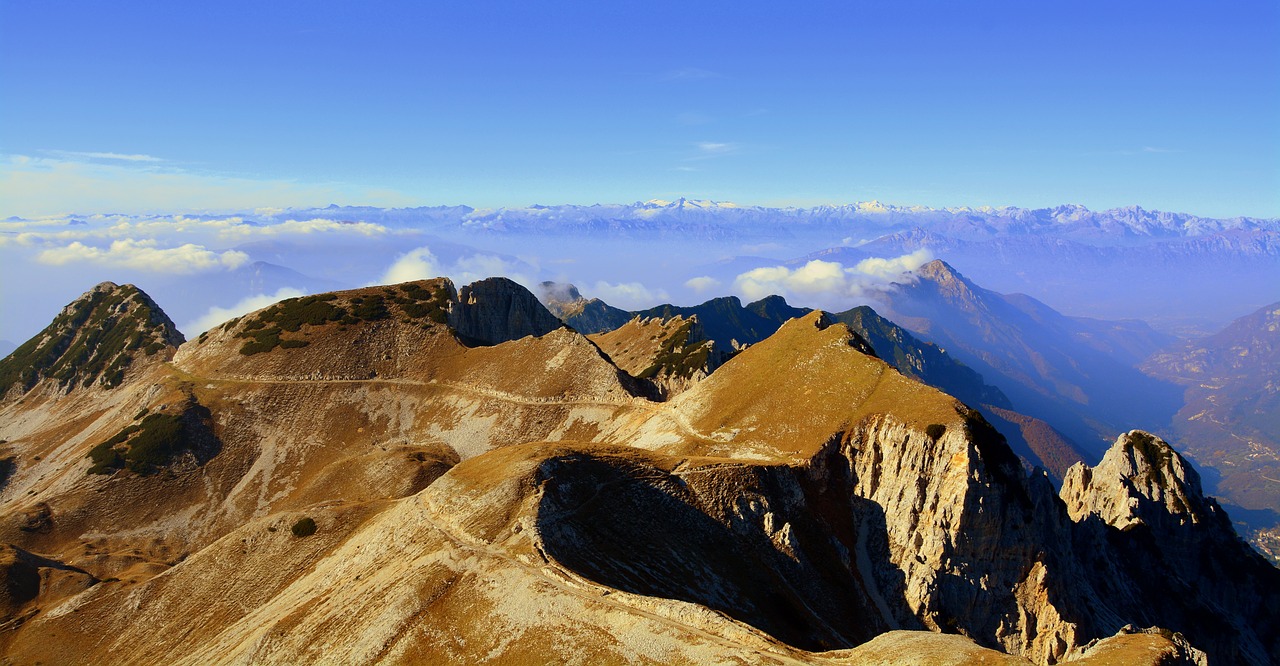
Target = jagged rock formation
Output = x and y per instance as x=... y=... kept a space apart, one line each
x=672 y=353
x=387 y=493
x=497 y=310
x=1170 y=554
x=94 y=341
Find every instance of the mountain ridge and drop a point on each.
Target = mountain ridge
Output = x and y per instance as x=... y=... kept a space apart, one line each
x=519 y=500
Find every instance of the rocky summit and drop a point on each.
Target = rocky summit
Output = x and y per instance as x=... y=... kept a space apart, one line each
x=417 y=473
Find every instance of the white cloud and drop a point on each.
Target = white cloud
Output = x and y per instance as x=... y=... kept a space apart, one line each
x=627 y=295
x=304 y=227
x=417 y=264
x=145 y=255
x=216 y=315
x=713 y=148
x=33 y=186
x=122 y=157
x=702 y=283
x=421 y=264
x=173 y=229
x=828 y=283
x=892 y=268
x=480 y=266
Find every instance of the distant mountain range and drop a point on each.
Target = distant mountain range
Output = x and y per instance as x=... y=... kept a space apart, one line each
x=1067 y=255
x=713 y=219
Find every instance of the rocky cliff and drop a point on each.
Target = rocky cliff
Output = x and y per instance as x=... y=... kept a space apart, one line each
x=1170 y=555
x=523 y=501
x=497 y=310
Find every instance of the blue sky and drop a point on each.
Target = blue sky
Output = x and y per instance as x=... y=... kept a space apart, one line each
x=137 y=106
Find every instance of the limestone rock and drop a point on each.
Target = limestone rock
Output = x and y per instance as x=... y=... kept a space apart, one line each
x=672 y=353
x=1140 y=480
x=523 y=501
x=496 y=310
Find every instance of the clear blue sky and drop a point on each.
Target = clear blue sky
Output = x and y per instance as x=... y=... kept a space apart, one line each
x=1169 y=105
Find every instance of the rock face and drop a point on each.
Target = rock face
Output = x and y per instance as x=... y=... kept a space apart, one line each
x=525 y=502
x=673 y=353
x=496 y=310
x=1170 y=554
x=1140 y=481
x=94 y=341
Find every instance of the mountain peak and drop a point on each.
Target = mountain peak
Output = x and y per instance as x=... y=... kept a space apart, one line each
x=497 y=310
x=559 y=292
x=947 y=282
x=92 y=341
x=939 y=270
x=1141 y=480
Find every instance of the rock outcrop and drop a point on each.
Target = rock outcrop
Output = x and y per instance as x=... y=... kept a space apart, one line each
x=1140 y=481
x=496 y=310
x=673 y=354
x=1165 y=555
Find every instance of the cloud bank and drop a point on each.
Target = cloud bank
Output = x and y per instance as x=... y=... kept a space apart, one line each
x=421 y=264
x=828 y=283
x=145 y=255
x=702 y=284
x=417 y=264
x=216 y=315
x=84 y=181
x=627 y=295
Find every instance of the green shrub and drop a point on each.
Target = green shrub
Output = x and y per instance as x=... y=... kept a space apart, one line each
x=373 y=308
x=141 y=447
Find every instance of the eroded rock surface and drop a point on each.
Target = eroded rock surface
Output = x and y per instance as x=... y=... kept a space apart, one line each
x=385 y=490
